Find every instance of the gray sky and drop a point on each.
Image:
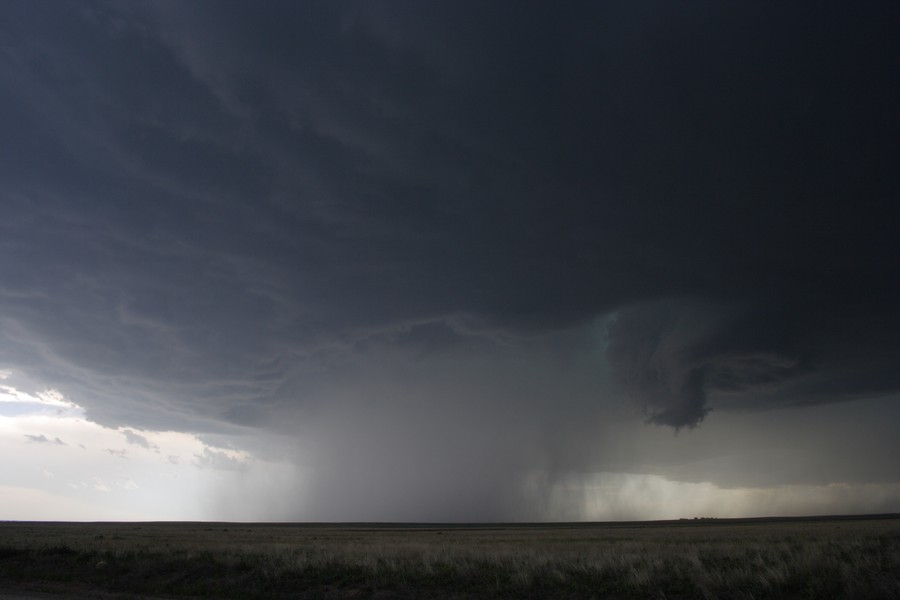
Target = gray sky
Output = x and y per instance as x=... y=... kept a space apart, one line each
x=449 y=260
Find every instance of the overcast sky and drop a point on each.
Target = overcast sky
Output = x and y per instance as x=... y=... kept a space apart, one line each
x=448 y=261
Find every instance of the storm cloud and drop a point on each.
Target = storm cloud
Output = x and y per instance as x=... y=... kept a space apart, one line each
x=443 y=246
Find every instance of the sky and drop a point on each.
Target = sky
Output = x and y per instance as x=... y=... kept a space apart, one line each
x=449 y=260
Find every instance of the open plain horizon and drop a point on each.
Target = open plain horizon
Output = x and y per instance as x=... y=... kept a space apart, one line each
x=846 y=556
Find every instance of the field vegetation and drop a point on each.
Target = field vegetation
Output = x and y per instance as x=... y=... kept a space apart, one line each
x=833 y=558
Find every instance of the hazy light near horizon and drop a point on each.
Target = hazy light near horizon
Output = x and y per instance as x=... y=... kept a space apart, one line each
x=638 y=497
x=60 y=466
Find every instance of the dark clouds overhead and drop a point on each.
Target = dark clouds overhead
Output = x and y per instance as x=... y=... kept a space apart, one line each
x=213 y=212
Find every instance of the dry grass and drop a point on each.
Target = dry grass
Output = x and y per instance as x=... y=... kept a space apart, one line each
x=743 y=560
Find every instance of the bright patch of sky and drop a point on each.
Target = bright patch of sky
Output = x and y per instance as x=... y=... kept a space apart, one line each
x=60 y=466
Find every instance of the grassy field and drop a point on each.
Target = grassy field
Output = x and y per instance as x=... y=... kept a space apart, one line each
x=831 y=558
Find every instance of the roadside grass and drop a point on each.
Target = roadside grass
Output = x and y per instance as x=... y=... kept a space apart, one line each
x=829 y=559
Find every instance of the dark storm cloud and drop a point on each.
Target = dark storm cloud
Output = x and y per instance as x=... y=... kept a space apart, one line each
x=222 y=217
x=137 y=439
x=43 y=439
x=215 y=459
x=679 y=356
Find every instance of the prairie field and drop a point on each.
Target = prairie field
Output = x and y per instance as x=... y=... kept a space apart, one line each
x=739 y=559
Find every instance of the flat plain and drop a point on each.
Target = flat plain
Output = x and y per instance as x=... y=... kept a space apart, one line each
x=833 y=557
